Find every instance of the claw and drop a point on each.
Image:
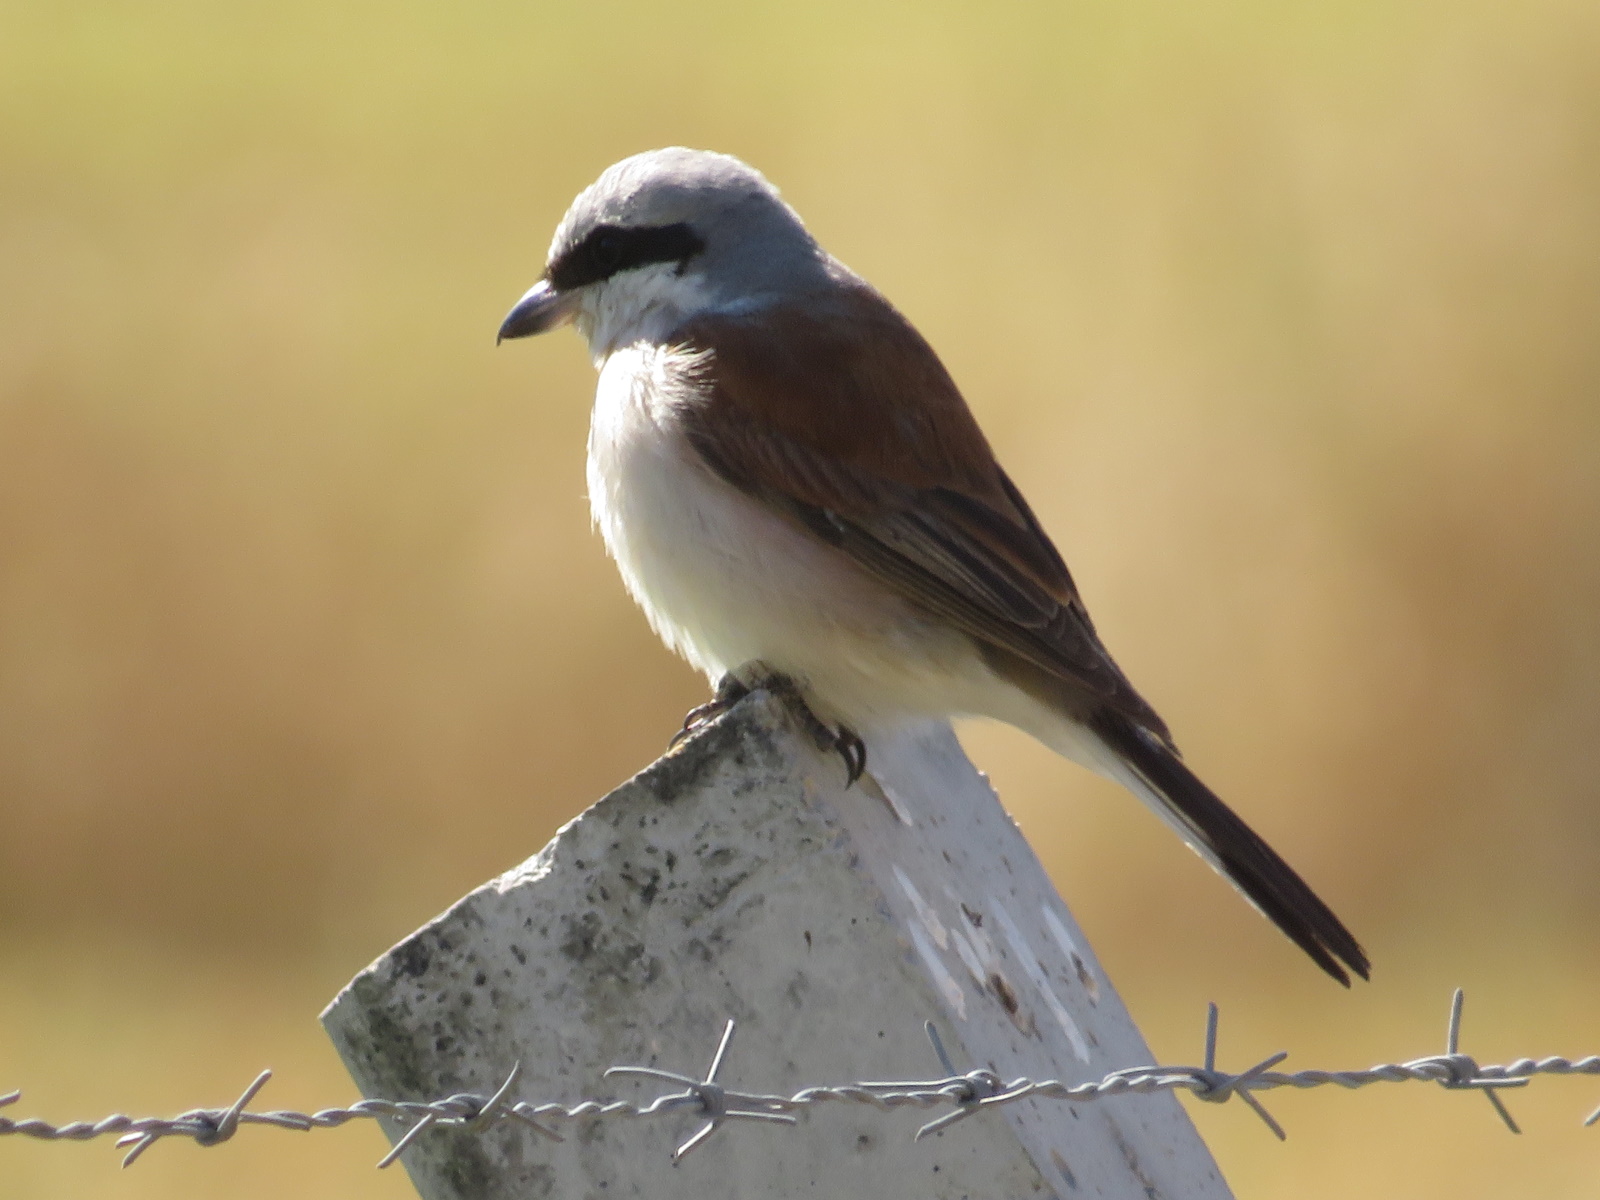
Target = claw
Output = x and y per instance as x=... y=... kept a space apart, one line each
x=729 y=692
x=854 y=752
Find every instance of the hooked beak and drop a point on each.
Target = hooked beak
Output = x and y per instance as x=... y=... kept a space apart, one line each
x=542 y=309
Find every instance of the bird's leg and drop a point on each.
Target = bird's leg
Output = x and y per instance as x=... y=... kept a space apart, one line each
x=729 y=692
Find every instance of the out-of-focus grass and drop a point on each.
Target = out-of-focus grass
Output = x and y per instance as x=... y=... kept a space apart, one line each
x=1283 y=316
x=144 y=1030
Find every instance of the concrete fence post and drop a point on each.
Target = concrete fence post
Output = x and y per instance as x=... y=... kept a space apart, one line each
x=740 y=877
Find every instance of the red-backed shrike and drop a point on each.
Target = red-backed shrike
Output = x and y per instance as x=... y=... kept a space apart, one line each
x=788 y=478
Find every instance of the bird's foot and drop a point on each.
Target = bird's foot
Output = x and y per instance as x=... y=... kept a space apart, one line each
x=840 y=738
x=729 y=692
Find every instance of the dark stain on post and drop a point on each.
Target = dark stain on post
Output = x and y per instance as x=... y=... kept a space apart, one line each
x=1004 y=993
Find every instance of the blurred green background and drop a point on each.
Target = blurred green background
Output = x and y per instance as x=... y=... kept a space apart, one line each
x=1286 y=317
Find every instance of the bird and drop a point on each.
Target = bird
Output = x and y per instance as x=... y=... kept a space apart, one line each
x=790 y=481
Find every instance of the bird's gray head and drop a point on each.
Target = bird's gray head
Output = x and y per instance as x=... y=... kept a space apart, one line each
x=659 y=236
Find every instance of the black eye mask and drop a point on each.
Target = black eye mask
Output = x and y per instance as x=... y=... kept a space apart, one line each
x=609 y=249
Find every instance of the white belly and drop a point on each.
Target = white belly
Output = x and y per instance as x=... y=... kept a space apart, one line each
x=726 y=582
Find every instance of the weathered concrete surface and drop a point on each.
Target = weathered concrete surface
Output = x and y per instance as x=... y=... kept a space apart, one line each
x=739 y=877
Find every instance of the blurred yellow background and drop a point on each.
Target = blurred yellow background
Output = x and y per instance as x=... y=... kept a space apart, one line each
x=1285 y=316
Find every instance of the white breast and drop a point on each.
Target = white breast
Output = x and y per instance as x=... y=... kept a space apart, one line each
x=724 y=581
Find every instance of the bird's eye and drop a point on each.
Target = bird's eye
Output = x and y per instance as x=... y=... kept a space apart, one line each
x=607 y=250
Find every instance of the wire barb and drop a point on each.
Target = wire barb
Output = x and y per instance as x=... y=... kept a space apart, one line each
x=427 y=1122
x=1217 y=1087
x=209 y=1127
x=969 y=1091
x=1463 y=1070
x=466 y=1111
x=713 y=1098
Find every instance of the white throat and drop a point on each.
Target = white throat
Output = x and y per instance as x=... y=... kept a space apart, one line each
x=642 y=305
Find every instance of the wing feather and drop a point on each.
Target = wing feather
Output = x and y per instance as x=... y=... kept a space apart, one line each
x=845 y=419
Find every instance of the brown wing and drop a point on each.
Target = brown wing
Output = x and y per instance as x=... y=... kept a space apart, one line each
x=844 y=418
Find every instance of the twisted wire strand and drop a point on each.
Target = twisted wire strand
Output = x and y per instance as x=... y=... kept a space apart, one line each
x=965 y=1094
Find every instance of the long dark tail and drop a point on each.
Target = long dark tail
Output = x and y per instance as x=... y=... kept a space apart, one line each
x=1231 y=846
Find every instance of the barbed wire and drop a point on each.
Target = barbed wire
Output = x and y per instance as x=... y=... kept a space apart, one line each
x=968 y=1094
